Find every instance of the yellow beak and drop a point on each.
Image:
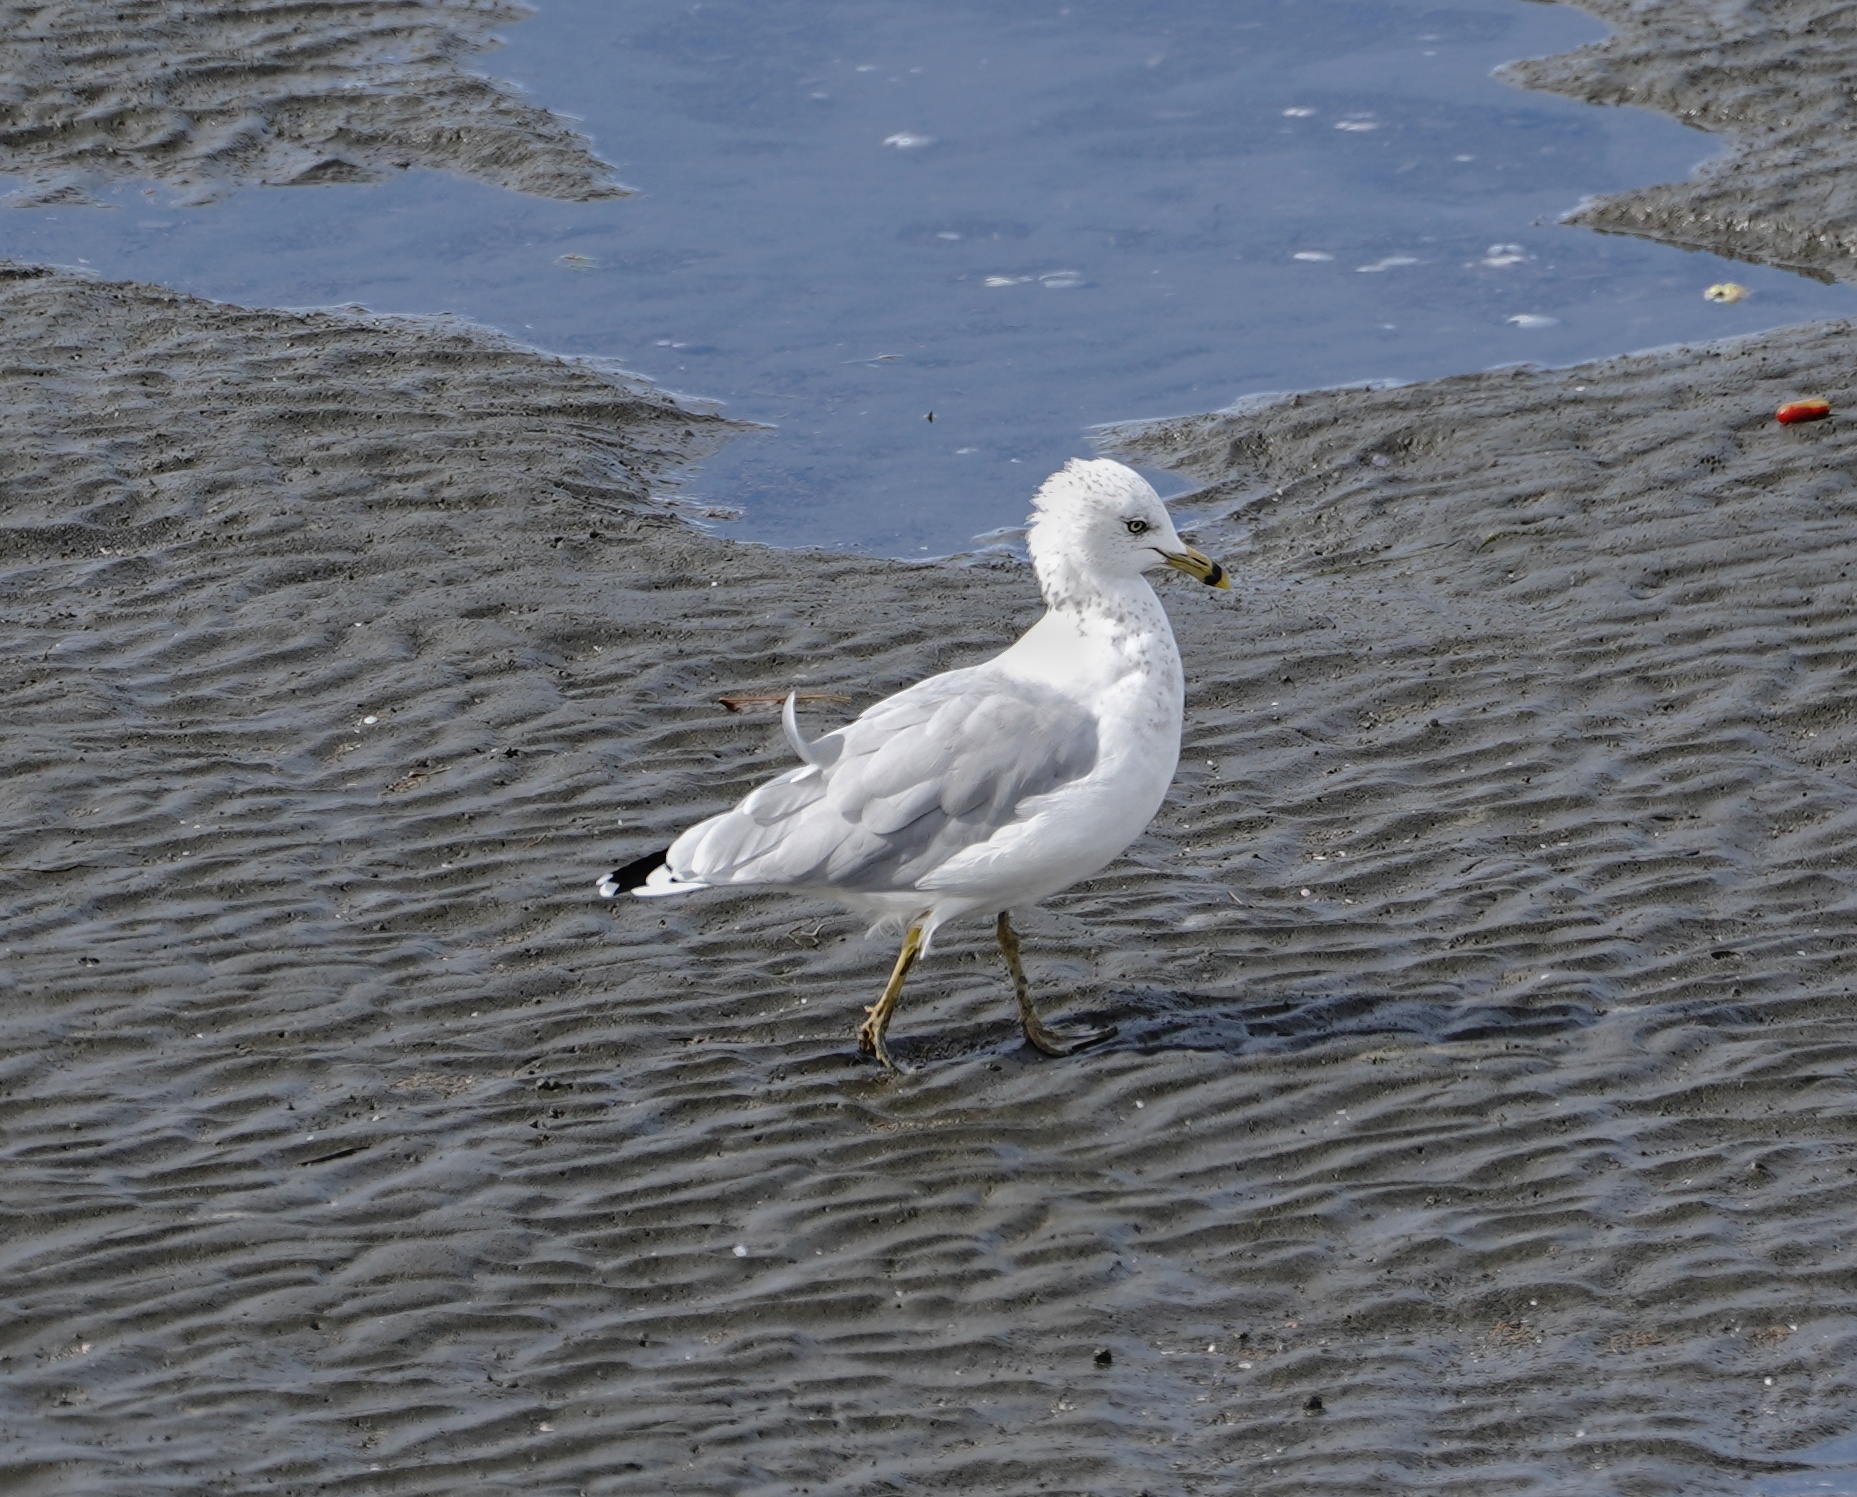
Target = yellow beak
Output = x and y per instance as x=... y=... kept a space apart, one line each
x=1195 y=563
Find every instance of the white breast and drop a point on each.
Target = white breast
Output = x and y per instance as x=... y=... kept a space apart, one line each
x=1120 y=662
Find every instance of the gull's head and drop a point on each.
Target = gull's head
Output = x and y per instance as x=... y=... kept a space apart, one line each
x=1096 y=520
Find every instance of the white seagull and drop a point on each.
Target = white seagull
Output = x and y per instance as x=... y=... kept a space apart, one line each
x=988 y=787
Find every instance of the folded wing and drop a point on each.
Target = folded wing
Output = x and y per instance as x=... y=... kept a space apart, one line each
x=890 y=797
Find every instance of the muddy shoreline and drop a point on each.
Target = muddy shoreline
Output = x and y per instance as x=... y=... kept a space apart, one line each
x=1482 y=1117
x=1485 y=984
x=204 y=100
x=1772 y=81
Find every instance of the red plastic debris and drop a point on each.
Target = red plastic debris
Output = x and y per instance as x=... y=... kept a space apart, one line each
x=1802 y=410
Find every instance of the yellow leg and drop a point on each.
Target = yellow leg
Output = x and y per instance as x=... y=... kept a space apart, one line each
x=870 y=1036
x=1035 y=1030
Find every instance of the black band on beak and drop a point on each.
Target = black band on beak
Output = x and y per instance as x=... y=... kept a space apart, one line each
x=1216 y=576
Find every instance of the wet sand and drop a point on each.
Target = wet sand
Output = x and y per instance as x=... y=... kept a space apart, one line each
x=1486 y=1055
x=1773 y=80
x=206 y=99
x=1482 y=1116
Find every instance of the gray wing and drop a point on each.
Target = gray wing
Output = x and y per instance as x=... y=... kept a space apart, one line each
x=892 y=796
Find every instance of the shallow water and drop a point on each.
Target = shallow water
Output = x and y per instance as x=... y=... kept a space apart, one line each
x=1025 y=219
x=1832 y=1472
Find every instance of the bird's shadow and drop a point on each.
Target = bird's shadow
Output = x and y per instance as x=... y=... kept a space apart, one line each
x=1170 y=1019
x=1160 y=1019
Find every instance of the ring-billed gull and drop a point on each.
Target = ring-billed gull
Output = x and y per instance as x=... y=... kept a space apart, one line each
x=988 y=787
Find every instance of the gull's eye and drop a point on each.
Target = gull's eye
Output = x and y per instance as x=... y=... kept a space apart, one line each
x=1137 y=527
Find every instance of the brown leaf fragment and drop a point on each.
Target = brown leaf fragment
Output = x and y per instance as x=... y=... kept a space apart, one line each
x=754 y=701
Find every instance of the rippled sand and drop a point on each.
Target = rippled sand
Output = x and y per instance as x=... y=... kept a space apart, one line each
x=1485 y=1068
x=1772 y=79
x=1481 y=1116
x=203 y=99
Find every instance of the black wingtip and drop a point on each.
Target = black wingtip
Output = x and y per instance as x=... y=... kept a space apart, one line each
x=632 y=877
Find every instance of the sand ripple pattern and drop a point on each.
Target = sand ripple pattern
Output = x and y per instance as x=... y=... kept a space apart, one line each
x=1483 y=1115
x=1773 y=76
x=206 y=98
